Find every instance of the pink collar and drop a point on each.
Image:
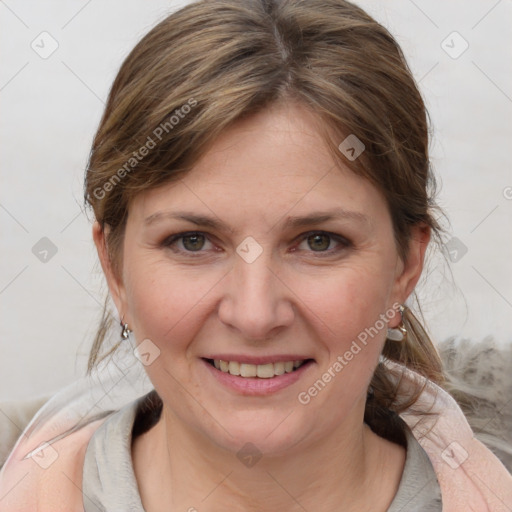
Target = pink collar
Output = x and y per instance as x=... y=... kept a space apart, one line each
x=471 y=477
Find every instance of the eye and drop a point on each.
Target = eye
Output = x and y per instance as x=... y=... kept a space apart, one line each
x=320 y=242
x=190 y=242
x=323 y=242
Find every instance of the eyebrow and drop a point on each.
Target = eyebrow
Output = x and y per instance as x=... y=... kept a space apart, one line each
x=290 y=222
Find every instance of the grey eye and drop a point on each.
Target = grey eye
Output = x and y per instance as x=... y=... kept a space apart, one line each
x=319 y=241
x=193 y=242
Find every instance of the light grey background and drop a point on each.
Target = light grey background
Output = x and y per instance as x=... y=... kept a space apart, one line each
x=50 y=108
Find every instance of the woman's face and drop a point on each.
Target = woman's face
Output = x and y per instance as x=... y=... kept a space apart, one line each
x=266 y=252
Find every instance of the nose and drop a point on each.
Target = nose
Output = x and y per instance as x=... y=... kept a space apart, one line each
x=256 y=301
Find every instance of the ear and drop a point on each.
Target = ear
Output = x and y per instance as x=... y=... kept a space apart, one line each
x=409 y=271
x=114 y=281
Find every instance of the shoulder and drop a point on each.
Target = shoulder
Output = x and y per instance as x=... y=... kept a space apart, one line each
x=14 y=417
x=480 y=379
x=468 y=472
x=109 y=480
x=419 y=489
x=50 y=467
x=50 y=479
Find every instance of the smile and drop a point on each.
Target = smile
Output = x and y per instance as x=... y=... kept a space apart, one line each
x=263 y=371
x=251 y=379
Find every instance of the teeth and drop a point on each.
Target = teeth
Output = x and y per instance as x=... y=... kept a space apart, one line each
x=263 y=371
x=234 y=368
x=248 y=370
x=278 y=368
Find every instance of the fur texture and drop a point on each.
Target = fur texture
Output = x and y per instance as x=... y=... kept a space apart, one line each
x=480 y=379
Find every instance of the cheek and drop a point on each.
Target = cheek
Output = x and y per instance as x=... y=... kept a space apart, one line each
x=348 y=311
x=347 y=301
x=164 y=302
x=351 y=334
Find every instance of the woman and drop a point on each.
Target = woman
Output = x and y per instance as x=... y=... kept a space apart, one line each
x=263 y=201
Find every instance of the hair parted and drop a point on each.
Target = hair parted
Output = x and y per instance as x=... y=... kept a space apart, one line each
x=214 y=62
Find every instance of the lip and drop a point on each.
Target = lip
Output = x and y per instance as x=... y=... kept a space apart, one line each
x=255 y=386
x=240 y=358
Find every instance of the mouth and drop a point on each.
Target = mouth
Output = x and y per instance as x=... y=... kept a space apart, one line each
x=257 y=371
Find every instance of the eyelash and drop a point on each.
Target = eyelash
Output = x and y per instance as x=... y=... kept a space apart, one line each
x=170 y=242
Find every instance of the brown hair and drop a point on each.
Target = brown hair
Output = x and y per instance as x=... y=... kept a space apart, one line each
x=214 y=62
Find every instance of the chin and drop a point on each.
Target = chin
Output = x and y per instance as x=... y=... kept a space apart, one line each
x=272 y=436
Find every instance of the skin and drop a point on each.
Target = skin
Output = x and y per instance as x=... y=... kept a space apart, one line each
x=305 y=297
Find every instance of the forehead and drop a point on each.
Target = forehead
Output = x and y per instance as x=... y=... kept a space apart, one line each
x=273 y=163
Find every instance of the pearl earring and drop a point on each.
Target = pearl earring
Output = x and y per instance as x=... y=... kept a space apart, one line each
x=125 y=331
x=398 y=333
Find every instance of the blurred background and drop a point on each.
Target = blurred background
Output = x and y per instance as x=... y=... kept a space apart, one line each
x=58 y=62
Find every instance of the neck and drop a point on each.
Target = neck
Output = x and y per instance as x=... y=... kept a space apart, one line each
x=179 y=469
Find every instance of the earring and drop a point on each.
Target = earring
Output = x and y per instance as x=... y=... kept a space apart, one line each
x=125 y=331
x=398 y=333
